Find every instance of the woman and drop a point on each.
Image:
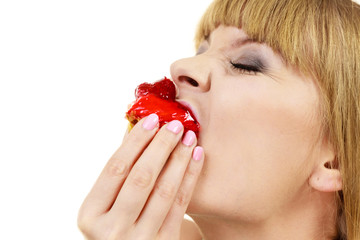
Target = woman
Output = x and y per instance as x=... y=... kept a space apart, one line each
x=275 y=86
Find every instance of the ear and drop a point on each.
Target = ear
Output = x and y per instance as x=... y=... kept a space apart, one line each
x=325 y=178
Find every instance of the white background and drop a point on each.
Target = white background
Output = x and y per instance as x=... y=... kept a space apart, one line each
x=68 y=69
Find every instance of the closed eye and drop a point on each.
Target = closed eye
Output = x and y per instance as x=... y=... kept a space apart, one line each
x=243 y=68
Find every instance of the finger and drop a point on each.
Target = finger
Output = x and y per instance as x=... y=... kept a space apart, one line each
x=173 y=220
x=163 y=195
x=137 y=187
x=128 y=129
x=108 y=184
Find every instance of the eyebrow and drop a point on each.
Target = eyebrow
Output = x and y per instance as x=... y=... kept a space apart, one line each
x=242 y=41
x=239 y=42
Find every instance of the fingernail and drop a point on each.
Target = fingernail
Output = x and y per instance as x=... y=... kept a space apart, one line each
x=151 y=121
x=189 y=138
x=197 y=154
x=175 y=126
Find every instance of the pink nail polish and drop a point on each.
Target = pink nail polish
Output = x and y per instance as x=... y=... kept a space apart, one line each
x=197 y=154
x=189 y=138
x=150 y=122
x=175 y=126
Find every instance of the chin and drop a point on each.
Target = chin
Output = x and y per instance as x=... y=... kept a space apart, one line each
x=202 y=206
x=197 y=203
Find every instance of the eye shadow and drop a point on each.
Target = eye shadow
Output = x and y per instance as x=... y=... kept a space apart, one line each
x=252 y=60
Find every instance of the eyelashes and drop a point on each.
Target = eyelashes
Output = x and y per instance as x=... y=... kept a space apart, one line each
x=247 y=69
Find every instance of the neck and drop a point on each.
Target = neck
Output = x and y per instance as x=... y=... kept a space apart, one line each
x=310 y=217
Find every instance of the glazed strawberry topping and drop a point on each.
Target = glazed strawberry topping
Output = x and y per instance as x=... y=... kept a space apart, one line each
x=164 y=88
x=159 y=98
x=166 y=110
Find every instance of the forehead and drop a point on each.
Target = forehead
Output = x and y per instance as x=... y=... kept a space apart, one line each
x=228 y=35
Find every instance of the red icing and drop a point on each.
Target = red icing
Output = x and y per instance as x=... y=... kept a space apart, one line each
x=164 y=89
x=159 y=98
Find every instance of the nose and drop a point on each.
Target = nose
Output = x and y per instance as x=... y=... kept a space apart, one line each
x=192 y=73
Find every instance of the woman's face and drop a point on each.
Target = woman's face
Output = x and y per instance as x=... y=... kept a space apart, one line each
x=259 y=121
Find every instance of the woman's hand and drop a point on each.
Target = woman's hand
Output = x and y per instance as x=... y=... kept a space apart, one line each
x=145 y=188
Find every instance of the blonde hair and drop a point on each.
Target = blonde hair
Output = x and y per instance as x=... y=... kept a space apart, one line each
x=322 y=39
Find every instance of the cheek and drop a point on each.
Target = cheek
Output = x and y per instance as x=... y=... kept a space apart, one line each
x=264 y=120
x=256 y=142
